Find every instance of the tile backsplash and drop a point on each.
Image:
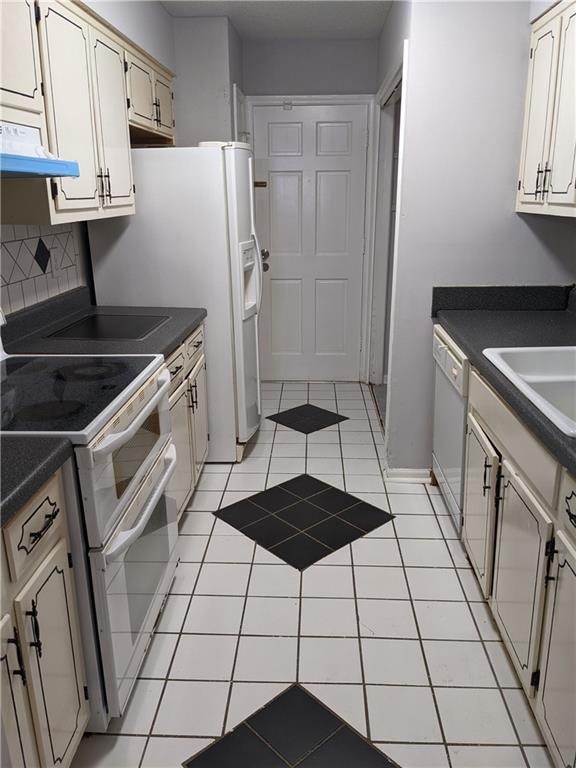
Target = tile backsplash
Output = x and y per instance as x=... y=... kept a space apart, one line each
x=38 y=262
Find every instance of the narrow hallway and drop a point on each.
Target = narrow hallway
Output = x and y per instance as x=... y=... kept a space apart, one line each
x=390 y=632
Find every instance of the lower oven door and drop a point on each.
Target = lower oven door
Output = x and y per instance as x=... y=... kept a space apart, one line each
x=131 y=576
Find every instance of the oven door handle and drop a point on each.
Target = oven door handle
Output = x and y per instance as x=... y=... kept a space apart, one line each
x=125 y=539
x=118 y=439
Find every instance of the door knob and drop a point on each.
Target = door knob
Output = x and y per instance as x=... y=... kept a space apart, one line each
x=265 y=267
x=265 y=254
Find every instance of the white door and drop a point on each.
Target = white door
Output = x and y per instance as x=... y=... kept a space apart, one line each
x=562 y=183
x=112 y=120
x=556 y=702
x=20 y=59
x=182 y=482
x=199 y=398
x=165 y=117
x=481 y=471
x=310 y=216
x=140 y=80
x=65 y=53
x=523 y=532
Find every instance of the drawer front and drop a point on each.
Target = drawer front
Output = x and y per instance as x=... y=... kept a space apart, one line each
x=177 y=367
x=33 y=531
x=195 y=346
x=539 y=468
x=566 y=513
x=455 y=372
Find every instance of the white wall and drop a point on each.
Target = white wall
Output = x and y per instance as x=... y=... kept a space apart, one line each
x=537 y=8
x=146 y=22
x=464 y=103
x=396 y=29
x=236 y=56
x=202 y=100
x=315 y=67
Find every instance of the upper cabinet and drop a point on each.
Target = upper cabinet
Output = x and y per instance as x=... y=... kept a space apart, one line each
x=150 y=98
x=93 y=94
x=547 y=178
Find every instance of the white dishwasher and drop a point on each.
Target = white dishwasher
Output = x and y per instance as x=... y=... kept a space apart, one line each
x=450 y=406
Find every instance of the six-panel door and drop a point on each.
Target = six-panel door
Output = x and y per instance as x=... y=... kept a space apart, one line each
x=16 y=716
x=65 y=54
x=522 y=533
x=111 y=120
x=556 y=700
x=310 y=216
x=48 y=627
x=20 y=77
x=480 y=480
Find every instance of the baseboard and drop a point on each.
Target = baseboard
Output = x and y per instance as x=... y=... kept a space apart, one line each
x=408 y=475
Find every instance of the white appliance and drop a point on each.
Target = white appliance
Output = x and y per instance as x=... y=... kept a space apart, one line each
x=450 y=407
x=192 y=242
x=115 y=410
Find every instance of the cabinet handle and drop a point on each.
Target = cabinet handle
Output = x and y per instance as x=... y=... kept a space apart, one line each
x=109 y=185
x=485 y=487
x=197 y=344
x=100 y=177
x=538 y=190
x=158 y=115
x=195 y=388
x=37 y=643
x=547 y=170
x=21 y=672
x=571 y=515
x=176 y=371
x=48 y=520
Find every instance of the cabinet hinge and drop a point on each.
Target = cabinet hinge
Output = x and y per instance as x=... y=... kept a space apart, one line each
x=173 y=123
x=519 y=184
x=42 y=88
x=172 y=95
x=134 y=188
x=70 y=560
x=86 y=692
x=53 y=189
x=535 y=679
x=128 y=103
x=531 y=52
x=37 y=13
x=125 y=66
x=550 y=550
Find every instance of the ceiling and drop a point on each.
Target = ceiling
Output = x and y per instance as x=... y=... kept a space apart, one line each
x=288 y=19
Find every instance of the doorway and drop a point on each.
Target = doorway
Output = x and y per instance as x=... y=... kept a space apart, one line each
x=385 y=233
x=310 y=169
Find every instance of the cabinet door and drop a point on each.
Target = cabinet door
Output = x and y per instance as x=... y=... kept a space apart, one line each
x=17 y=729
x=562 y=182
x=556 y=701
x=140 y=78
x=48 y=625
x=112 y=120
x=65 y=55
x=182 y=481
x=538 y=112
x=165 y=118
x=199 y=394
x=480 y=480
x=20 y=79
x=522 y=533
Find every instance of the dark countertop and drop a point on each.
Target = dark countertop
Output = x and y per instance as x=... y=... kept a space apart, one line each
x=27 y=463
x=475 y=330
x=164 y=340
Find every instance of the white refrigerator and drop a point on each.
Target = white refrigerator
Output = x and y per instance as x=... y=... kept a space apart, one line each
x=192 y=243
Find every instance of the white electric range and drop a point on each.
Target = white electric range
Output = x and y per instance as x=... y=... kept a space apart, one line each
x=114 y=409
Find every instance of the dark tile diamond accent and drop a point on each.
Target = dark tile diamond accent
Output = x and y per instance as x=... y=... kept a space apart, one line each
x=294 y=729
x=42 y=255
x=303 y=520
x=307 y=418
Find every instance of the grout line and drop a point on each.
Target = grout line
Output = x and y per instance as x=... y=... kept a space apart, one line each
x=362 y=671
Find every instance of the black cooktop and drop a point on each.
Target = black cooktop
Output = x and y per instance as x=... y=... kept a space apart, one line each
x=118 y=327
x=62 y=393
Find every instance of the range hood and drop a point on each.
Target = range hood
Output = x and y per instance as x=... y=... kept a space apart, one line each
x=22 y=155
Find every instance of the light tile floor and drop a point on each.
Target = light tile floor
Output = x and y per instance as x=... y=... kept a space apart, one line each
x=391 y=632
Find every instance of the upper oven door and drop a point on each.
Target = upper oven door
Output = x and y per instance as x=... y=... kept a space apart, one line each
x=131 y=578
x=113 y=466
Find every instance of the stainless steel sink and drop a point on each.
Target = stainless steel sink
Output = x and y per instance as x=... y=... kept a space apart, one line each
x=546 y=375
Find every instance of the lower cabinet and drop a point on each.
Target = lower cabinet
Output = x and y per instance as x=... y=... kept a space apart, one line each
x=523 y=536
x=199 y=399
x=48 y=627
x=184 y=477
x=480 y=484
x=18 y=741
x=556 y=698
